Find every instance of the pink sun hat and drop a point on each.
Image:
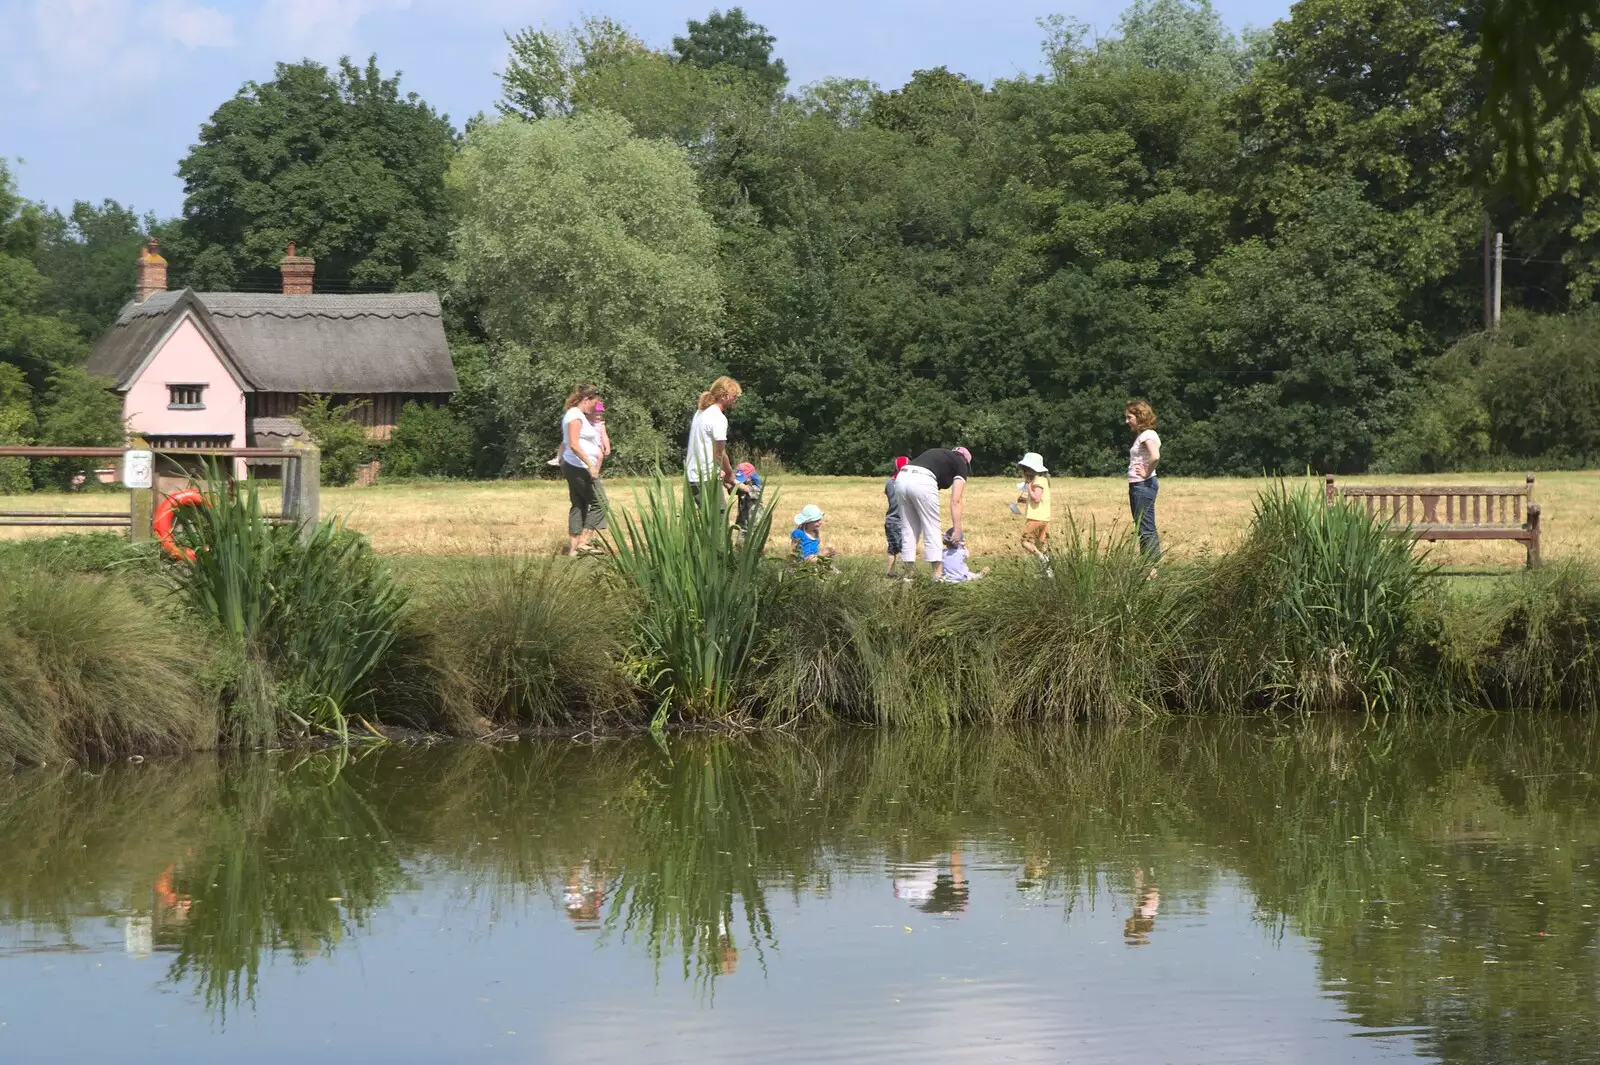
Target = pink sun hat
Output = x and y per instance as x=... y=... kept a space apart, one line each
x=964 y=453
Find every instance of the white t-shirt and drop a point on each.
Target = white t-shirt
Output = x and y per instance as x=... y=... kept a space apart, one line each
x=709 y=428
x=1146 y=447
x=588 y=439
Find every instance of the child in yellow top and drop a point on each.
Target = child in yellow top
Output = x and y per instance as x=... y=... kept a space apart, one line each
x=1034 y=493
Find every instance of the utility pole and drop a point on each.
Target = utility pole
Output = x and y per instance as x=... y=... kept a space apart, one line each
x=1500 y=272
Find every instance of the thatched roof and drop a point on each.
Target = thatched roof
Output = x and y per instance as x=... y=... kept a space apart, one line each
x=276 y=343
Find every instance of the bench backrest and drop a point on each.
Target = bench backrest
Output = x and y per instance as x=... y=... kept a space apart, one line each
x=1464 y=505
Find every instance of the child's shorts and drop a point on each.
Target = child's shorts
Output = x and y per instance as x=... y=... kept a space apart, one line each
x=1036 y=531
x=891 y=534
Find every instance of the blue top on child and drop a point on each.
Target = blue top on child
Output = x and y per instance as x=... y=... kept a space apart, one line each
x=806 y=545
x=807 y=542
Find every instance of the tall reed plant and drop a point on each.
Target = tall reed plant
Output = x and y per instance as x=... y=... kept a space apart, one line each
x=308 y=611
x=700 y=597
x=1319 y=608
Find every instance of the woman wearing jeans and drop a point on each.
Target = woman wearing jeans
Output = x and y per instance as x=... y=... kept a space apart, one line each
x=1142 y=483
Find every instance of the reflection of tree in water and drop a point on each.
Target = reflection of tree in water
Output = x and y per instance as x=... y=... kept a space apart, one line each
x=695 y=876
x=293 y=857
x=1422 y=860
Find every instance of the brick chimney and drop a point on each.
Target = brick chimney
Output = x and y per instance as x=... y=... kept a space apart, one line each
x=152 y=271
x=298 y=270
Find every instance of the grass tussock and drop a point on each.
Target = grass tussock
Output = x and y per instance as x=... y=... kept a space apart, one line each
x=528 y=642
x=1546 y=651
x=1098 y=638
x=88 y=670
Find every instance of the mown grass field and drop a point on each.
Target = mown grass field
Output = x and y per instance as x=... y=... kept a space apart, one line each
x=1197 y=515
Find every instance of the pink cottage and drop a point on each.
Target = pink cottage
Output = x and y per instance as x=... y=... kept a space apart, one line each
x=228 y=369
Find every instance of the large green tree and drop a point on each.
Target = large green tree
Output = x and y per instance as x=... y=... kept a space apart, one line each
x=339 y=162
x=730 y=39
x=590 y=258
x=33 y=340
x=45 y=397
x=1543 y=58
x=90 y=257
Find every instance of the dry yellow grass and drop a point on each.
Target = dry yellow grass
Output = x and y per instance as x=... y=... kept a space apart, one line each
x=1196 y=515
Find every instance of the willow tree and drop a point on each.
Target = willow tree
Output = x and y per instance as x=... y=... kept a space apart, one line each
x=588 y=257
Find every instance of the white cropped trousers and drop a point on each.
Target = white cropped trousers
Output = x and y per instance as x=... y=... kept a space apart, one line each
x=918 y=493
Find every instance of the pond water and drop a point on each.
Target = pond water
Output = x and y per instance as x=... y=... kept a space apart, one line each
x=1189 y=891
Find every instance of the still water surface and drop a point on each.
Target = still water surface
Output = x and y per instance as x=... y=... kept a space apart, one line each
x=1195 y=891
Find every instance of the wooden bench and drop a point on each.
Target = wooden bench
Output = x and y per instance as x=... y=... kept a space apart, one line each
x=1452 y=512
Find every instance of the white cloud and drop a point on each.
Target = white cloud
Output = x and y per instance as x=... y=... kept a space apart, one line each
x=194 y=25
x=321 y=27
x=81 y=48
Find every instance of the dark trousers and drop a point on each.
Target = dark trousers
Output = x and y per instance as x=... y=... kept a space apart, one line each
x=583 y=492
x=713 y=491
x=1142 y=502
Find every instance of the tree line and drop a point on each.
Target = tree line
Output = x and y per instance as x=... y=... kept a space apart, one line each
x=1277 y=239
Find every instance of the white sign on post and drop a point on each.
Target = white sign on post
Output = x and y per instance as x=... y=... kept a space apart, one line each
x=138 y=469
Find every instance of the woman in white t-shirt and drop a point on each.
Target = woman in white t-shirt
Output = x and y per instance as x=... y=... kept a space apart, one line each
x=1142 y=483
x=582 y=451
x=705 y=459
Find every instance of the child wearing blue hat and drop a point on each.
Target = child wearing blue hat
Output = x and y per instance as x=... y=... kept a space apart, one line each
x=807 y=535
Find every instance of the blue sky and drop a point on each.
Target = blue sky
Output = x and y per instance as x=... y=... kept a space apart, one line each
x=101 y=98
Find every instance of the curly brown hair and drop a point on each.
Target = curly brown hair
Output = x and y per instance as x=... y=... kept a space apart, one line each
x=1143 y=417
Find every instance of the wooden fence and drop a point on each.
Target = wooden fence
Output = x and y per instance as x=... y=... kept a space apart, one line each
x=301 y=484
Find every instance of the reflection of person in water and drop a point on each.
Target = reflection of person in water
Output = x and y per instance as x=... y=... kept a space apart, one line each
x=1137 y=928
x=1035 y=875
x=585 y=895
x=932 y=887
x=727 y=950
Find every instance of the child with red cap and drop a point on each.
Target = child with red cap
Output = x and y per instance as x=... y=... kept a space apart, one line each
x=893 y=528
x=747 y=483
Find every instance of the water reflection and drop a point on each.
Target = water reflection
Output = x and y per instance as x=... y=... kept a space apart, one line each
x=1444 y=872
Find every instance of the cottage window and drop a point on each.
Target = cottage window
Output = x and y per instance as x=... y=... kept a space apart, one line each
x=186 y=397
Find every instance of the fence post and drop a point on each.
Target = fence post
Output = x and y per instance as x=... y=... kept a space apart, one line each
x=308 y=488
x=141 y=512
x=289 y=470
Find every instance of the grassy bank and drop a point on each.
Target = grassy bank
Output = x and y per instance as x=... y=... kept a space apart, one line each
x=272 y=637
x=1198 y=516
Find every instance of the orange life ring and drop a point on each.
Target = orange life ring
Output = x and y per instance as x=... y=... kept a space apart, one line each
x=166 y=512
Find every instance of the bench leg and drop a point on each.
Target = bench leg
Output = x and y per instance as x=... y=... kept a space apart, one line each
x=1534 y=559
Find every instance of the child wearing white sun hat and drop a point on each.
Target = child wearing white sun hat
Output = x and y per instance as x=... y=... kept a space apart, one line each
x=1033 y=494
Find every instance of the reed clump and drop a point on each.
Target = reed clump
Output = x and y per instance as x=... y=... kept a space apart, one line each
x=87 y=669
x=304 y=616
x=699 y=591
x=1318 y=608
